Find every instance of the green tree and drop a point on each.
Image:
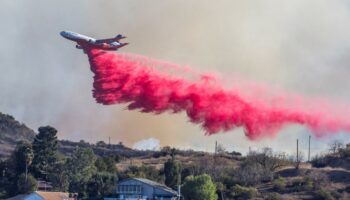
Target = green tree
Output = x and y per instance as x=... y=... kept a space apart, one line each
x=172 y=172
x=6 y=184
x=45 y=146
x=101 y=184
x=81 y=167
x=199 y=188
x=59 y=176
x=110 y=164
x=100 y=164
x=26 y=184
x=23 y=157
x=106 y=164
x=15 y=169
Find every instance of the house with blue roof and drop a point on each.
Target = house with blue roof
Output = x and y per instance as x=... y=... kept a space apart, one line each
x=143 y=189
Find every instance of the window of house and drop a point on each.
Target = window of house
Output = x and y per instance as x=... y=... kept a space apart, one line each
x=138 y=189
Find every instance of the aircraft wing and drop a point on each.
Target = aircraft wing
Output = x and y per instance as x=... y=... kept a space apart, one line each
x=109 y=40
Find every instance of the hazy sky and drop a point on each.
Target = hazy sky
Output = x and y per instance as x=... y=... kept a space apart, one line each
x=298 y=46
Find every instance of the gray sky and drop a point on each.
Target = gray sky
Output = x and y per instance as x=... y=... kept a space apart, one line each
x=298 y=46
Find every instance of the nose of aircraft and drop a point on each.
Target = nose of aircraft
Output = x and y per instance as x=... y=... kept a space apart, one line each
x=63 y=33
x=72 y=36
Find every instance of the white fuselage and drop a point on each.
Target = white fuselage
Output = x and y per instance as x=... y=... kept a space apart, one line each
x=77 y=37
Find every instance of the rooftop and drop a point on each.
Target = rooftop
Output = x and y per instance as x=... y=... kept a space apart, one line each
x=153 y=184
x=43 y=195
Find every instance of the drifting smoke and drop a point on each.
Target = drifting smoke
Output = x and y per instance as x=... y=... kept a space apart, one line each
x=135 y=80
x=147 y=144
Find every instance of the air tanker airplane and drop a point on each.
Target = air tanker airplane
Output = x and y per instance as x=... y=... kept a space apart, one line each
x=83 y=42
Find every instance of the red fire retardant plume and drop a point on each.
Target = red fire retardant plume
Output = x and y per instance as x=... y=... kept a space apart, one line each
x=135 y=80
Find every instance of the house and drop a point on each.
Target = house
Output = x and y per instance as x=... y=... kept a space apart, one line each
x=143 y=189
x=39 y=195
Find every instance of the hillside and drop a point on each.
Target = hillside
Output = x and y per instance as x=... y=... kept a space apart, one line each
x=12 y=131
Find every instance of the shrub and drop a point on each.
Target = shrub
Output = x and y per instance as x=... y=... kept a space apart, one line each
x=345 y=152
x=297 y=185
x=336 y=194
x=26 y=186
x=273 y=196
x=157 y=154
x=199 y=188
x=308 y=184
x=235 y=153
x=279 y=184
x=324 y=195
x=319 y=161
x=305 y=184
x=240 y=192
x=252 y=174
x=316 y=180
x=260 y=167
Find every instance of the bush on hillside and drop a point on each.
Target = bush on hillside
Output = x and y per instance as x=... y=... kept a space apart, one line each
x=199 y=188
x=26 y=184
x=279 y=184
x=240 y=192
x=296 y=185
x=336 y=194
x=274 y=196
x=345 y=152
x=319 y=161
x=308 y=184
x=315 y=180
x=260 y=167
x=323 y=195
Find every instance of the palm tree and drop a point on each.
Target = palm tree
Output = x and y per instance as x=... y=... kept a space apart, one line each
x=28 y=158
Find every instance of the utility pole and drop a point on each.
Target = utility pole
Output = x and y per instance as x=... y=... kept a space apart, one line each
x=297 y=150
x=308 y=156
x=216 y=147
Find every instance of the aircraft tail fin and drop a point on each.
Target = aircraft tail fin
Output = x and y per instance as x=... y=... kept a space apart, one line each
x=119 y=36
